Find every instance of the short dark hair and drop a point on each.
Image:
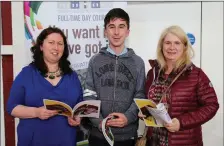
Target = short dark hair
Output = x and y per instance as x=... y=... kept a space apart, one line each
x=116 y=13
x=38 y=60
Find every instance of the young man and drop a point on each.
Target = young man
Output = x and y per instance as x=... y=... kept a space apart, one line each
x=115 y=76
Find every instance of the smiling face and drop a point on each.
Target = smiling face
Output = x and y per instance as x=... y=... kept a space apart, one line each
x=53 y=48
x=172 y=48
x=116 y=31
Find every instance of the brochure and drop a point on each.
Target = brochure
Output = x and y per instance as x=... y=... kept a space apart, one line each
x=107 y=132
x=156 y=114
x=88 y=108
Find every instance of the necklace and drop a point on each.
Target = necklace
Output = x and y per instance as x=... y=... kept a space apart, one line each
x=52 y=75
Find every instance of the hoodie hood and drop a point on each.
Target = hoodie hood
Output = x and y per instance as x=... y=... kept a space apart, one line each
x=153 y=63
x=130 y=52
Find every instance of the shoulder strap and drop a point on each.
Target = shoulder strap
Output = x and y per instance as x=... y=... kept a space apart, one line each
x=174 y=81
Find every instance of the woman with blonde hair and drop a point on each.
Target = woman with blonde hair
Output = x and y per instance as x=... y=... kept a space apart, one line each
x=185 y=90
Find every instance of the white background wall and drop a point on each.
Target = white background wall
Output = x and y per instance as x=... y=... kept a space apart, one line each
x=212 y=64
x=148 y=19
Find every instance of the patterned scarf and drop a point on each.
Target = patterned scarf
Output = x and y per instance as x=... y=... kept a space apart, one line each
x=158 y=87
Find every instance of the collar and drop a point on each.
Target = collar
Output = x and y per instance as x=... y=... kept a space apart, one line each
x=125 y=50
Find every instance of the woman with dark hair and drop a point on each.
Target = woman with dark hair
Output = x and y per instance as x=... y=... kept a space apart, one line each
x=48 y=76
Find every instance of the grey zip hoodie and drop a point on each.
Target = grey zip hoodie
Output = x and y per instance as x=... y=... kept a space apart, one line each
x=116 y=81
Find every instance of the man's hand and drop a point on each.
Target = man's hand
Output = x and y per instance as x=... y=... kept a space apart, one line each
x=117 y=120
x=174 y=126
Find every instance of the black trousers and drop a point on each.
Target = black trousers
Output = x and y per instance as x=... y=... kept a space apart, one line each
x=95 y=141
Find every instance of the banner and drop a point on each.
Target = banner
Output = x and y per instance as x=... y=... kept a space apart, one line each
x=81 y=22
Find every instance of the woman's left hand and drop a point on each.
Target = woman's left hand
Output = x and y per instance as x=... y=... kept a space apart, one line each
x=174 y=126
x=74 y=121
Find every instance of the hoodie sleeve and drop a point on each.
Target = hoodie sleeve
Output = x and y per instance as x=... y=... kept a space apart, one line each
x=132 y=112
x=90 y=92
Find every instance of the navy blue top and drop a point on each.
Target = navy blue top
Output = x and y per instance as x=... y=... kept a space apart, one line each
x=29 y=89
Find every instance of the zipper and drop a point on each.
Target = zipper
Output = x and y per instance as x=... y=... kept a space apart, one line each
x=115 y=81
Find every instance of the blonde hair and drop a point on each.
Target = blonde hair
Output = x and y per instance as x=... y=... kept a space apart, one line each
x=188 y=51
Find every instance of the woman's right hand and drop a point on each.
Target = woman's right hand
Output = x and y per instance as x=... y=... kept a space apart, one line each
x=141 y=116
x=44 y=113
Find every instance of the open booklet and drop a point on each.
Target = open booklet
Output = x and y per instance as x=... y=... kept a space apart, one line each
x=107 y=131
x=88 y=108
x=156 y=114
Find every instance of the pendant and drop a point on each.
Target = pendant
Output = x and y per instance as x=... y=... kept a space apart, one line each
x=51 y=77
